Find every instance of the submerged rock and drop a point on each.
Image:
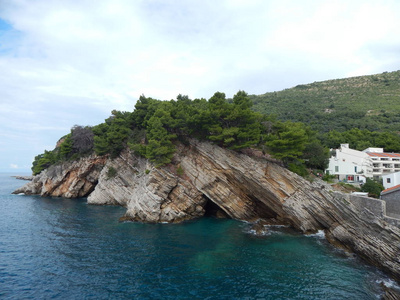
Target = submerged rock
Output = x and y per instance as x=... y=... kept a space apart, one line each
x=259 y=228
x=214 y=180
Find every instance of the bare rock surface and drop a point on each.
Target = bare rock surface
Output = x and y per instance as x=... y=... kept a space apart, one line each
x=19 y=177
x=203 y=175
x=149 y=194
x=69 y=179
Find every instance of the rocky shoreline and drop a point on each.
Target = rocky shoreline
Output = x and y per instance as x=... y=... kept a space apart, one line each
x=204 y=179
x=27 y=178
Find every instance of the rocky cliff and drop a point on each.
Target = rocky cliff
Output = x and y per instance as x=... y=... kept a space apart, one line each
x=70 y=179
x=205 y=178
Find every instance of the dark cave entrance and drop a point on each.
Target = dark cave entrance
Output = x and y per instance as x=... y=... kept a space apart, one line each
x=213 y=210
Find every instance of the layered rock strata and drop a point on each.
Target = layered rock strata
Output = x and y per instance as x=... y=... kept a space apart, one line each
x=204 y=176
x=73 y=179
x=148 y=193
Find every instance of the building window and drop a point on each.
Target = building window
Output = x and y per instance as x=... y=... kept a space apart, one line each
x=336 y=169
x=355 y=169
x=387 y=180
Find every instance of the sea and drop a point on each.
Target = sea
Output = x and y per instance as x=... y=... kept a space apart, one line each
x=56 y=248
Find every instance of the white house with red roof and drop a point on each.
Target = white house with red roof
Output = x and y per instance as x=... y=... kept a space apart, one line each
x=355 y=166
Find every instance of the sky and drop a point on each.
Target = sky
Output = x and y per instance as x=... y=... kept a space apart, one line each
x=66 y=63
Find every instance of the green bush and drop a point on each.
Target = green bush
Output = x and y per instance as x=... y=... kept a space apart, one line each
x=111 y=172
x=373 y=188
x=298 y=168
x=328 y=178
x=179 y=171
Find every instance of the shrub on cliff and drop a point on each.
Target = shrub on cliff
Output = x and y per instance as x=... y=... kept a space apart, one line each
x=82 y=139
x=110 y=137
x=43 y=161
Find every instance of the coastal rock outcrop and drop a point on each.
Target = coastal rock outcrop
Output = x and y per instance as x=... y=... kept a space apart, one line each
x=203 y=178
x=73 y=179
x=148 y=193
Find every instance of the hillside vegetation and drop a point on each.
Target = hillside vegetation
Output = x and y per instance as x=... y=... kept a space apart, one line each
x=155 y=126
x=365 y=102
x=295 y=126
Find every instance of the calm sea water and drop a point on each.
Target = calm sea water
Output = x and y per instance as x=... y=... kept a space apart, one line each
x=52 y=248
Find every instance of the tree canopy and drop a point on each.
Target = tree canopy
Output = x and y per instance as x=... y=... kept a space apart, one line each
x=360 y=111
x=154 y=127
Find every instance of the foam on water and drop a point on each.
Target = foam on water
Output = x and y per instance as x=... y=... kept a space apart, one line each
x=320 y=234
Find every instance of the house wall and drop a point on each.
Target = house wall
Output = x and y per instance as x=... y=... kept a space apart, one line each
x=394 y=180
x=392 y=204
x=349 y=162
x=371 y=162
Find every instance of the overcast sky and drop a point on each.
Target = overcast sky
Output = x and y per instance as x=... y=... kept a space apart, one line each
x=71 y=62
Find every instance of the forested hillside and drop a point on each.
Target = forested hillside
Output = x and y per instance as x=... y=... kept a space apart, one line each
x=366 y=102
x=296 y=126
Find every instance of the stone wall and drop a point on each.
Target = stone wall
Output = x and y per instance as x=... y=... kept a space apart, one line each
x=376 y=206
x=392 y=221
x=389 y=210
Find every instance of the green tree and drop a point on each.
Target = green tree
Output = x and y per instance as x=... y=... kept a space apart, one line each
x=373 y=188
x=242 y=100
x=101 y=146
x=159 y=148
x=111 y=137
x=43 y=161
x=144 y=109
x=288 y=141
x=315 y=155
x=233 y=125
x=65 y=150
x=361 y=139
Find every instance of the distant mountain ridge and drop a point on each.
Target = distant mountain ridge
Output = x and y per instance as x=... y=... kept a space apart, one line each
x=366 y=102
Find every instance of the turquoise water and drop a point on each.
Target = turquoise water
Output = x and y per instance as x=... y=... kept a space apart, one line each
x=52 y=248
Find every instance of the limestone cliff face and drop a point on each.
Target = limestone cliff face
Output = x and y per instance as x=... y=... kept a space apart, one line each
x=70 y=179
x=149 y=194
x=204 y=176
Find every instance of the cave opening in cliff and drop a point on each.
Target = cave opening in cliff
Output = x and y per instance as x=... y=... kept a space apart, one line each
x=262 y=210
x=213 y=210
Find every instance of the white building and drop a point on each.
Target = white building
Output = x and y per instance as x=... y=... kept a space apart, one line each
x=353 y=165
x=350 y=165
x=384 y=163
x=390 y=180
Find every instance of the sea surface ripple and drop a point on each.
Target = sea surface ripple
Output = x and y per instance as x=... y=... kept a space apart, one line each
x=55 y=248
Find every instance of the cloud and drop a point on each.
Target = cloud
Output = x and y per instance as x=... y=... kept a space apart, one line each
x=13 y=166
x=72 y=62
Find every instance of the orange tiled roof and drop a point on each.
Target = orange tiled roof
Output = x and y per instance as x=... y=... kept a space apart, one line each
x=391 y=189
x=377 y=154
